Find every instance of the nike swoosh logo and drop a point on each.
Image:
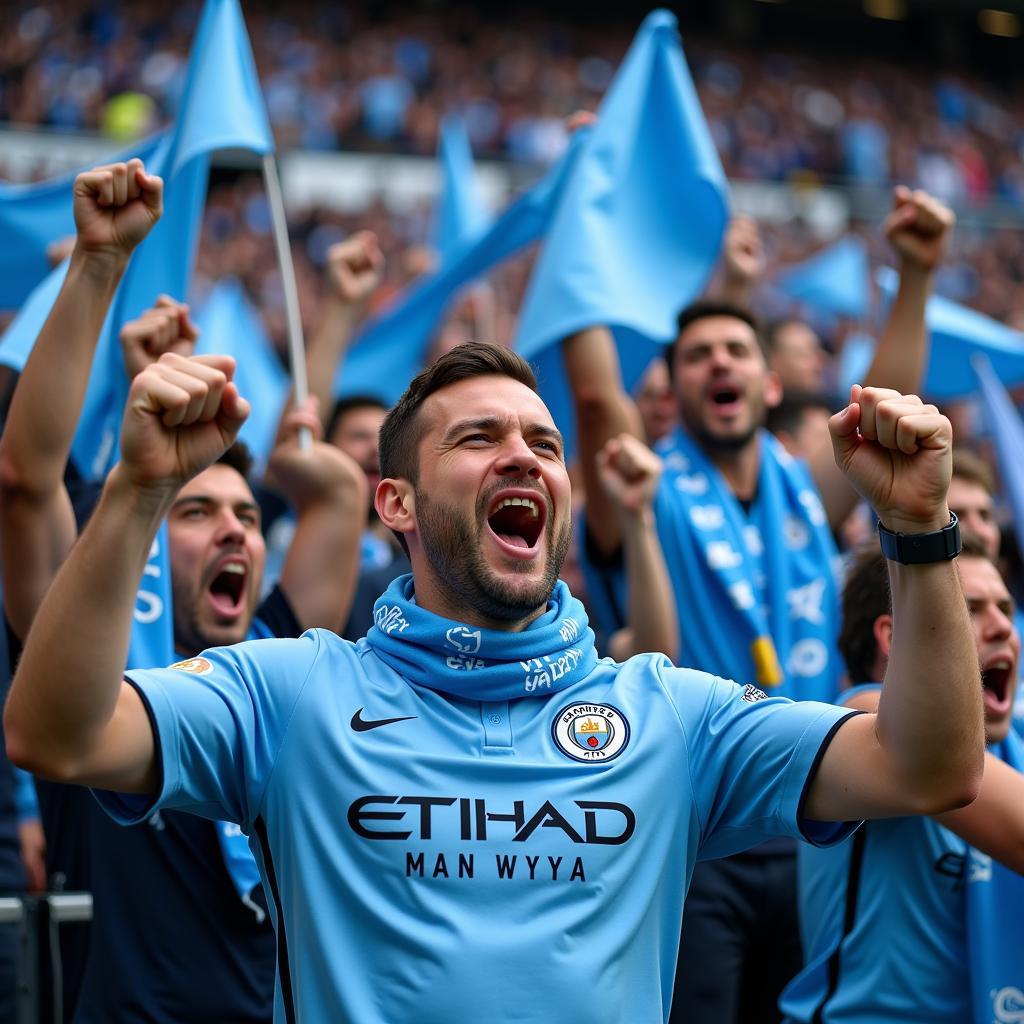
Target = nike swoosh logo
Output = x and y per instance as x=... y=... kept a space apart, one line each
x=360 y=724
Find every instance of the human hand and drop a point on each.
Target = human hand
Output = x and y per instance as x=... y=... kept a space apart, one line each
x=115 y=207
x=919 y=228
x=743 y=252
x=164 y=328
x=315 y=474
x=897 y=452
x=629 y=473
x=182 y=415
x=33 y=853
x=355 y=267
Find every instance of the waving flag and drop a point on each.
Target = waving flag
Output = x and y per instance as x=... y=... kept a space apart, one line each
x=33 y=216
x=391 y=350
x=221 y=107
x=461 y=214
x=1007 y=432
x=640 y=223
x=230 y=325
x=835 y=280
x=957 y=334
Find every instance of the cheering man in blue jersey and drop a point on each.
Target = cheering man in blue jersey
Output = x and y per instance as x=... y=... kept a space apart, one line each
x=466 y=815
x=180 y=929
x=745 y=529
x=919 y=919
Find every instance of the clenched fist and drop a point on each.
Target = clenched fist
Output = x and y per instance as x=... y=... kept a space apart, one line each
x=919 y=228
x=115 y=207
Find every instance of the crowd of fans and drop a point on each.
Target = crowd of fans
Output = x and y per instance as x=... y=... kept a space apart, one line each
x=345 y=77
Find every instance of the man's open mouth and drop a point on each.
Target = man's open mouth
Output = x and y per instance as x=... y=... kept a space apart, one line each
x=724 y=394
x=227 y=589
x=517 y=522
x=996 y=680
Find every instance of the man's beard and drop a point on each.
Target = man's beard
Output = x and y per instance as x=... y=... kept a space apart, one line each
x=717 y=444
x=460 y=569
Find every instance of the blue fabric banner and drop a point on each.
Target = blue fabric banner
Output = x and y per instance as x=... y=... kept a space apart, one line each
x=33 y=216
x=957 y=333
x=461 y=214
x=835 y=280
x=230 y=325
x=638 y=228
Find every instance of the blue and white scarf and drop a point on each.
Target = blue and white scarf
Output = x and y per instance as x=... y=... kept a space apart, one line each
x=553 y=652
x=756 y=593
x=995 y=924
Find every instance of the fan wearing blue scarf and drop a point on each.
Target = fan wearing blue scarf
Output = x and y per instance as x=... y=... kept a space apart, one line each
x=212 y=957
x=747 y=535
x=468 y=815
x=919 y=919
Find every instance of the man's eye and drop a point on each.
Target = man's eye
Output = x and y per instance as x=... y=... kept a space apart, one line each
x=547 y=446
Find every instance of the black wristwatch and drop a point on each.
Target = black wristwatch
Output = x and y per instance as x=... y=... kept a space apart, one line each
x=921 y=548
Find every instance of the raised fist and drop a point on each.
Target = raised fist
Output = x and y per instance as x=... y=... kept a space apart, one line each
x=919 y=228
x=164 y=328
x=182 y=415
x=629 y=472
x=743 y=251
x=308 y=476
x=355 y=267
x=897 y=452
x=115 y=207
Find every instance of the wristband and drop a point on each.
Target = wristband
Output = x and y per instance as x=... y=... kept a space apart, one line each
x=922 y=548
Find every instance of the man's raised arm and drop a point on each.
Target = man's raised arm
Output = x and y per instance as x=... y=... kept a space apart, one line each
x=919 y=229
x=70 y=716
x=328 y=491
x=923 y=751
x=114 y=207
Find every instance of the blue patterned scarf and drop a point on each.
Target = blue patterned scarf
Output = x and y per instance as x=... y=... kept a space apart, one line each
x=995 y=924
x=756 y=591
x=553 y=652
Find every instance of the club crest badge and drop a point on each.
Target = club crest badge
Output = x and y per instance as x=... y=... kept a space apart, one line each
x=591 y=733
x=197 y=666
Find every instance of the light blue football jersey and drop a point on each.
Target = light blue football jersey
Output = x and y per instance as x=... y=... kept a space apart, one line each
x=883 y=927
x=442 y=860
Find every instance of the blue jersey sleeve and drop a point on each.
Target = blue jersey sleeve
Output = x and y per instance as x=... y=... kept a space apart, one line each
x=752 y=759
x=219 y=721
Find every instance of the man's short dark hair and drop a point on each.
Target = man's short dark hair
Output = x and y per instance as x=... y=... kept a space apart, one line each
x=705 y=308
x=401 y=432
x=970 y=467
x=866 y=596
x=348 y=404
x=239 y=458
x=788 y=416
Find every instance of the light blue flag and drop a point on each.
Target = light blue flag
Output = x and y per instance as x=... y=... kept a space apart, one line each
x=393 y=347
x=835 y=280
x=957 y=333
x=1007 y=430
x=461 y=213
x=640 y=224
x=33 y=216
x=230 y=325
x=221 y=107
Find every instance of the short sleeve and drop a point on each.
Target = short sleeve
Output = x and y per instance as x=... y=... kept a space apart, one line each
x=219 y=720
x=752 y=760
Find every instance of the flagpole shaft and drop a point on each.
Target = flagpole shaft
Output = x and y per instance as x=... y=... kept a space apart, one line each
x=296 y=343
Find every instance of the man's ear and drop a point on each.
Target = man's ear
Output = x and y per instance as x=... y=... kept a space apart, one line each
x=772 y=389
x=395 y=502
x=882 y=629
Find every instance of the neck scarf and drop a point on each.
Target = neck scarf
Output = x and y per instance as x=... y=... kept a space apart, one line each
x=553 y=652
x=995 y=910
x=765 y=578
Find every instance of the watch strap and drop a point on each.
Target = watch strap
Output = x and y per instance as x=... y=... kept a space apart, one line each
x=921 y=548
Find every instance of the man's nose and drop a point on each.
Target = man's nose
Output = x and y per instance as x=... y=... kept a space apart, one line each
x=517 y=458
x=230 y=529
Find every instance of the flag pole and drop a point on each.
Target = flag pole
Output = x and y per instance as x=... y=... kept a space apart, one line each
x=296 y=343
